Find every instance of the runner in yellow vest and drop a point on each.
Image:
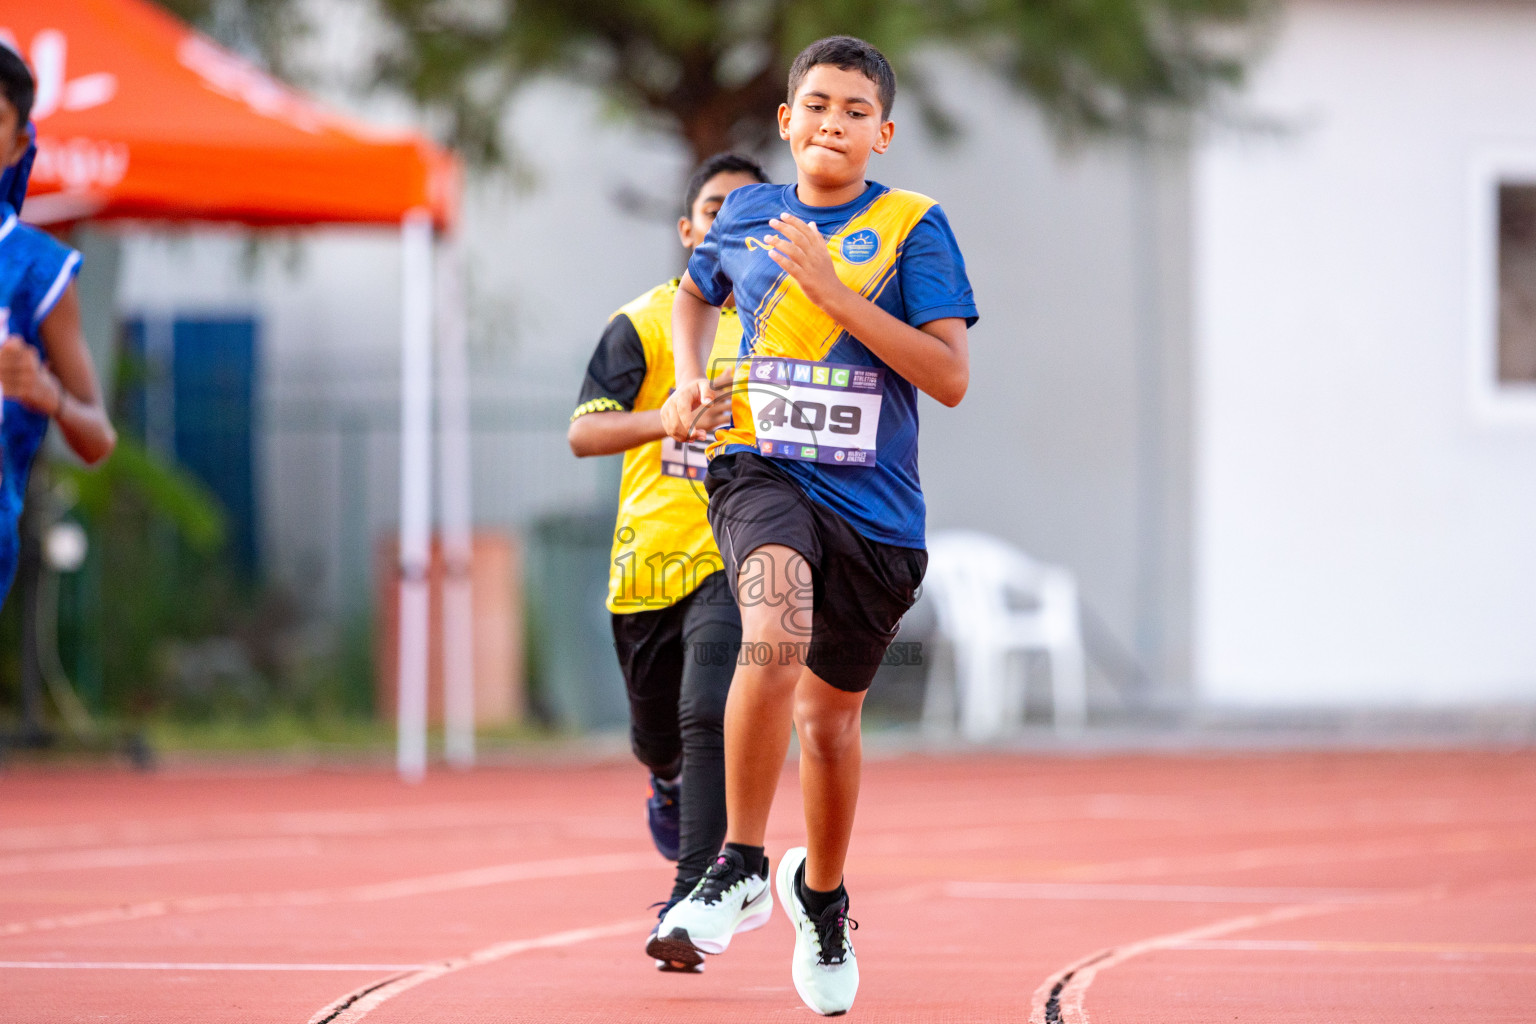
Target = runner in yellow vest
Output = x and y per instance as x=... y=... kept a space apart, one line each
x=675 y=624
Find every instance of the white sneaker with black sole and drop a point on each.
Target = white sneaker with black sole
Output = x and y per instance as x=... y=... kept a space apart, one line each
x=689 y=961
x=728 y=899
x=824 y=969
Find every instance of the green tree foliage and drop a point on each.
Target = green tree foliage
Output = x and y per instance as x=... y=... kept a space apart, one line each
x=175 y=629
x=160 y=488
x=158 y=536
x=714 y=70
x=259 y=29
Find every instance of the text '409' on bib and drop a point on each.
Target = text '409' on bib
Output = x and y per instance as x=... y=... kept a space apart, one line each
x=815 y=412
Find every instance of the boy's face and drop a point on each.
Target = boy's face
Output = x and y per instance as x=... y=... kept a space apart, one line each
x=13 y=135
x=834 y=124
x=692 y=228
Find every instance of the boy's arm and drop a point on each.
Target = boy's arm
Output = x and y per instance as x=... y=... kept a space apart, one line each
x=612 y=432
x=934 y=357
x=604 y=423
x=65 y=388
x=694 y=322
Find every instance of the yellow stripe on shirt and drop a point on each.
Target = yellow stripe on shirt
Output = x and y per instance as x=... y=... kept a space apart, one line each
x=789 y=325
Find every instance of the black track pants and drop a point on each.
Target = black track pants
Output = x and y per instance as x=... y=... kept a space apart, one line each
x=677 y=664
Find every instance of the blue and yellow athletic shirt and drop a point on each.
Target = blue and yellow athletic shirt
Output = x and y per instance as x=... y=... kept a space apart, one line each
x=34 y=271
x=662 y=547
x=894 y=248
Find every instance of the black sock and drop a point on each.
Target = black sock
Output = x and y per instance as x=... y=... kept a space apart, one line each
x=681 y=889
x=816 y=902
x=751 y=856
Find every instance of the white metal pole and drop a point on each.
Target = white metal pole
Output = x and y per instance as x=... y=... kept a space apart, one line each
x=415 y=490
x=454 y=479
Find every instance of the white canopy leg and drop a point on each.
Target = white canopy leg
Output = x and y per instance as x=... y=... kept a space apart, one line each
x=415 y=490
x=457 y=512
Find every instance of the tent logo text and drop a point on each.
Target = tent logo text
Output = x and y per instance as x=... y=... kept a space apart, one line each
x=55 y=89
x=79 y=165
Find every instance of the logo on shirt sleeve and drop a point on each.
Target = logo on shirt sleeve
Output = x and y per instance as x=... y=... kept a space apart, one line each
x=861 y=246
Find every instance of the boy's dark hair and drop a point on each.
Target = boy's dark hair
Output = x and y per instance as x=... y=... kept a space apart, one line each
x=847 y=53
x=720 y=163
x=17 y=84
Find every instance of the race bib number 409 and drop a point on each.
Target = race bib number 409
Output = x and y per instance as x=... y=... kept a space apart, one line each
x=816 y=412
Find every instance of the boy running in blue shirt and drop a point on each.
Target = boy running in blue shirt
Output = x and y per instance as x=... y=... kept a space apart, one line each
x=853 y=297
x=45 y=367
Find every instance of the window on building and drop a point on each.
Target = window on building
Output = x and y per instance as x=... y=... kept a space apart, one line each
x=1517 y=284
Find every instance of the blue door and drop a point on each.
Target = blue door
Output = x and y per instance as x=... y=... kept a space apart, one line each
x=210 y=385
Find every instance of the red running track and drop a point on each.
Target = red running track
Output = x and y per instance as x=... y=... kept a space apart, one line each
x=1138 y=889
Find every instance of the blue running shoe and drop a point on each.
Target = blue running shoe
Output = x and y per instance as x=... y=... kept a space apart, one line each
x=663 y=813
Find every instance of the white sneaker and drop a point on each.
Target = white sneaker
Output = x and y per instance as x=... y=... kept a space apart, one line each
x=727 y=900
x=825 y=970
x=675 y=958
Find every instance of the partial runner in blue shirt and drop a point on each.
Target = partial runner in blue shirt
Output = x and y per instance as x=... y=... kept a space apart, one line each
x=45 y=367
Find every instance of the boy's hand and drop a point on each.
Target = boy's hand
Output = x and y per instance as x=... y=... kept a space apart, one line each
x=680 y=413
x=23 y=377
x=711 y=418
x=802 y=252
x=714 y=416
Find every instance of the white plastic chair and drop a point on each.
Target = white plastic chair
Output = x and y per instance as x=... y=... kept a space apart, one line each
x=992 y=600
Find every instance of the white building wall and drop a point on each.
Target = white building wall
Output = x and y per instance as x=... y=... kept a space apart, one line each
x=1047 y=449
x=1363 y=535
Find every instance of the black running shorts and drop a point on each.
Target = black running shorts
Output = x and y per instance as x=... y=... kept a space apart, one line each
x=860 y=588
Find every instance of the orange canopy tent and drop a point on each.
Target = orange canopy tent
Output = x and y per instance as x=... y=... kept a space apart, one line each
x=140 y=117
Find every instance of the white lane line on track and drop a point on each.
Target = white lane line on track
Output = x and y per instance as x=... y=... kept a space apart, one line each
x=38 y=839
x=1469 y=842
x=118 y=965
x=1157 y=893
x=357 y=1004
x=262 y=825
x=473 y=878
x=1336 y=946
x=1074 y=980
x=1070 y=984
x=142 y=856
